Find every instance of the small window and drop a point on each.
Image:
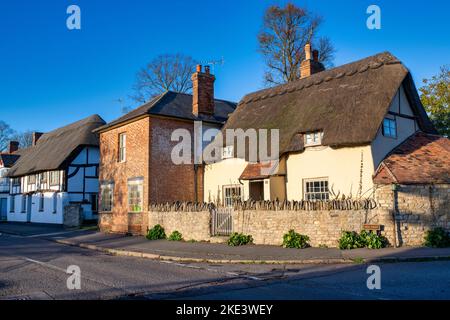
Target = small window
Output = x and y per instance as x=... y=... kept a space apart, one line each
x=313 y=138
x=316 y=189
x=227 y=152
x=16 y=182
x=32 y=179
x=94 y=203
x=231 y=194
x=41 y=202
x=106 y=197
x=12 y=203
x=55 y=202
x=135 y=195
x=24 y=203
x=54 y=178
x=390 y=128
x=43 y=178
x=122 y=147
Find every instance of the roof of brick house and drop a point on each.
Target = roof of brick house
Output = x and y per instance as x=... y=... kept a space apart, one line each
x=175 y=105
x=53 y=149
x=418 y=160
x=8 y=159
x=348 y=103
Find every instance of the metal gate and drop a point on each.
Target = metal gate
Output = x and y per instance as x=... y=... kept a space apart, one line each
x=221 y=221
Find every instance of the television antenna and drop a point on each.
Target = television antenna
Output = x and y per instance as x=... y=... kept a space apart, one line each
x=214 y=63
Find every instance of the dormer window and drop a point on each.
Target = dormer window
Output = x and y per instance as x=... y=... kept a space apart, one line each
x=389 y=128
x=313 y=138
x=227 y=152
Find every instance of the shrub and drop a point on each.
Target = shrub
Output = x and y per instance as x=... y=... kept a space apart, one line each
x=350 y=240
x=239 y=239
x=175 y=236
x=437 y=238
x=372 y=240
x=156 y=233
x=296 y=240
x=353 y=240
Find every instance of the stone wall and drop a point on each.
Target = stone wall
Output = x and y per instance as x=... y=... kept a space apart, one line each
x=192 y=225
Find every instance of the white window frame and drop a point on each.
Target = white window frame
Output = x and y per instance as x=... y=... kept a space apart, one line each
x=229 y=199
x=103 y=186
x=323 y=194
x=390 y=128
x=138 y=206
x=227 y=152
x=122 y=147
x=313 y=138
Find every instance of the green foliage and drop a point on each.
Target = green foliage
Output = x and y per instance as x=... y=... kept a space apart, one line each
x=366 y=239
x=239 y=239
x=435 y=97
x=156 y=233
x=175 y=236
x=296 y=240
x=437 y=238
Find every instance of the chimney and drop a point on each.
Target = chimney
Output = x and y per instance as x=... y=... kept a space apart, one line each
x=202 y=91
x=36 y=136
x=310 y=66
x=13 y=146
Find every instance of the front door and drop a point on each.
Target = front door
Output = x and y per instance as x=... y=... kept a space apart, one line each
x=29 y=208
x=3 y=204
x=257 y=190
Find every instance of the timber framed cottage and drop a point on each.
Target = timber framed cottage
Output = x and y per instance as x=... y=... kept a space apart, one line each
x=335 y=129
x=60 y=168
x=136 y=166
x=7 y=160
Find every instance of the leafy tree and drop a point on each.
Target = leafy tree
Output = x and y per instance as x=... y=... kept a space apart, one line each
x=282 y=40
x=435 y=96
x=163 y=73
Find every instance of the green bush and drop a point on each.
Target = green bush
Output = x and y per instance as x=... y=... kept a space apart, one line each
x=353 y=240
x=175 y=236
x=437 y=238
x=296 y=240
x=156 y=233
x=372 y=240
x=239 y=239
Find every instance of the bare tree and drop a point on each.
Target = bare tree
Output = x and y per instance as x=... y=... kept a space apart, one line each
x=5 y=135
x=25 y=138
x=282 y=40
x=165 y=72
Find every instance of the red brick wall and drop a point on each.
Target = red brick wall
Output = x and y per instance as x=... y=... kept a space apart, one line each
x=136 y=165
x=170 y=182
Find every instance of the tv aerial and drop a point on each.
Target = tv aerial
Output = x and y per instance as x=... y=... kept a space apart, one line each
x=214 y=63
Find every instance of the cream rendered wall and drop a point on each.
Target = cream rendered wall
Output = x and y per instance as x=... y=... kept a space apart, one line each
x=382 y=145
x=223 y=173
x=341 y=166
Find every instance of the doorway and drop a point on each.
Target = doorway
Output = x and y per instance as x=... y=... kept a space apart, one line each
x=257 y=190
x=3 y=206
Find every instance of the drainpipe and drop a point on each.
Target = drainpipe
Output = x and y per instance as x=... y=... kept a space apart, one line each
x=196 y=182
x=395 y=211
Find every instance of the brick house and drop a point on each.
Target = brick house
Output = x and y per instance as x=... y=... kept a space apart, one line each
x=136 y=168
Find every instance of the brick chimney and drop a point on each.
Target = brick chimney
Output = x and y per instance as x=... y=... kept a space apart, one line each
x=310 y=66
x=13 y=146
x=36 y=136
x=202 y=91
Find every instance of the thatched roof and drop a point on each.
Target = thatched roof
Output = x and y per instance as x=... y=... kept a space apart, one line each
x=176 y=105
x=421 y=159
x=348 y=103
x=55 y=149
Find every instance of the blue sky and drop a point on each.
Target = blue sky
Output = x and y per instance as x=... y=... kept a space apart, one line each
x=51 y=76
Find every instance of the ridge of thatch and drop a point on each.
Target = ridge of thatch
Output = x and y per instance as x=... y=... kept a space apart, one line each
x=53 y=150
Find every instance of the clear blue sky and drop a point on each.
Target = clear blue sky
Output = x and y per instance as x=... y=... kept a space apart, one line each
x=51 y=76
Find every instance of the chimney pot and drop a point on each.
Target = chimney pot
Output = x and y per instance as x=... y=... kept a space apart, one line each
x=316 y=55
x=308 y=51
x=207 y=69
x=13 y=146
x=36 y=136
x=199 y=68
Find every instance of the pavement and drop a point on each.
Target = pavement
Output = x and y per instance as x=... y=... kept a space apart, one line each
x=203 y=252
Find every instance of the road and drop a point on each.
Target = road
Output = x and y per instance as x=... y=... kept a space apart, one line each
x=35 y=268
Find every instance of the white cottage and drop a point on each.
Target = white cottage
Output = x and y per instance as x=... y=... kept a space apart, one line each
x=60 y=168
